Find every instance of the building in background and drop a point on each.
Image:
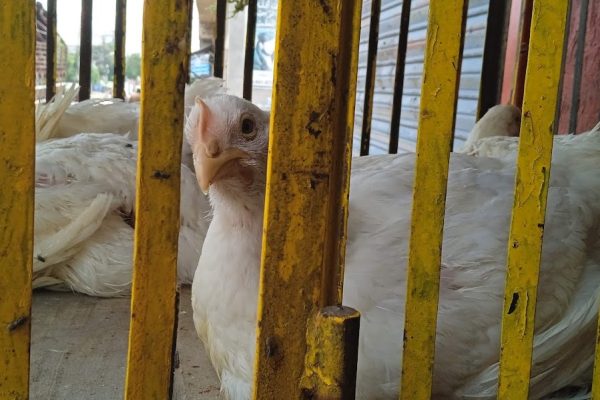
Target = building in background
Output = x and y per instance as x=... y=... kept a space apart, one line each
x=389 y=28
x=264 y=52
x=40 y=54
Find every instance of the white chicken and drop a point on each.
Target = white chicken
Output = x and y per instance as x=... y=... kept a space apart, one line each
x=500 y=147
x=59 y=118
x=84 y=196
x=84 y=199
x=501 y=120
x=229 y=138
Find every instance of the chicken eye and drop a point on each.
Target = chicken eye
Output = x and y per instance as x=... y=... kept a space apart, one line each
x=248 y=126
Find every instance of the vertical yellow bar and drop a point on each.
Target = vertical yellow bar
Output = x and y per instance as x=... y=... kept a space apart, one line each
x=17 y=160
x=596 y=375
x=529 y=209
x=310 y=121
x=332 y=289
x=165 y=54
x=436 y=125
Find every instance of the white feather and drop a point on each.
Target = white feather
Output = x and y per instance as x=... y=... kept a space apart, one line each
x=500 y=120
x=478 y=210
x=85 y=185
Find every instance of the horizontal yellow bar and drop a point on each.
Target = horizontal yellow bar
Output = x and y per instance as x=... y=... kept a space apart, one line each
x=529 y=210
x=310 y=119
x=165 y=55
x=439 y=93
x=17 y=160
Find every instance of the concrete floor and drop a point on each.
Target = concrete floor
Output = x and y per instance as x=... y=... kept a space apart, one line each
x=79 y=349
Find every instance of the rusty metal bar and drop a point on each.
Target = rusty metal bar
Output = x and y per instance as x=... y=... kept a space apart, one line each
x=314 y=109
x=119 y=60
x=365 y=138
x=220 y=39
x=531 y=190
x=494 y=51
x=399 y=77
x=437 y=114
x=85 y=50
x=17 y=141
x=51 y=50
x=249 y=54
x=519 y=78
x=165 y=65
x=578 y=68
x=596 y=369
x=332 y=289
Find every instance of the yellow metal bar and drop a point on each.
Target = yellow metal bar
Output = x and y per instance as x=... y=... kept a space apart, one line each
x=332 y=340
x=310 y=121
x=165 y=55
x=436 y=126
x=596 y=375
x=332 y=288
x=17 y=159
x=532 y=177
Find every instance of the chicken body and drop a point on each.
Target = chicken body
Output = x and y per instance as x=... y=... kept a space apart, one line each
x=84 y=195
x=230 y=161
x=61 y=119
x=502 y=120
x=500 y=147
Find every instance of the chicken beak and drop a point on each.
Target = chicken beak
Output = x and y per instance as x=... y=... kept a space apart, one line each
x=209 y=163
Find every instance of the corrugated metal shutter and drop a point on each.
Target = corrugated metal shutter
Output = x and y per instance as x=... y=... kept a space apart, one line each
x=386 y=59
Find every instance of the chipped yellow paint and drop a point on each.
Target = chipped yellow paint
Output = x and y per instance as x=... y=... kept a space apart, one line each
x=332 y=354
x=17 y=158
x=435 y=133
x=311 y=126
x=529 y=209
x=166 y=35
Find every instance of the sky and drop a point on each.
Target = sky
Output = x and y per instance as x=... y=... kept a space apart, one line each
x=103 y=22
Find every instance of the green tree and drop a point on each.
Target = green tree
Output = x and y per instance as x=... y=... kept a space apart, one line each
x=73 y=67
x=95 y=74
x=103 y=57
x=238 y=5
x=133 y=66
x=102 y=63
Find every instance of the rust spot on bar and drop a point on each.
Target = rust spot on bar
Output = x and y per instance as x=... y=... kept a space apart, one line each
x=273 y=348
x=514 y=302
x=161 y=175
x=314 y=117
x=17 y=323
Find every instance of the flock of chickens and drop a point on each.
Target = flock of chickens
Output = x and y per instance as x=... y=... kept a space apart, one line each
x=84 y=221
